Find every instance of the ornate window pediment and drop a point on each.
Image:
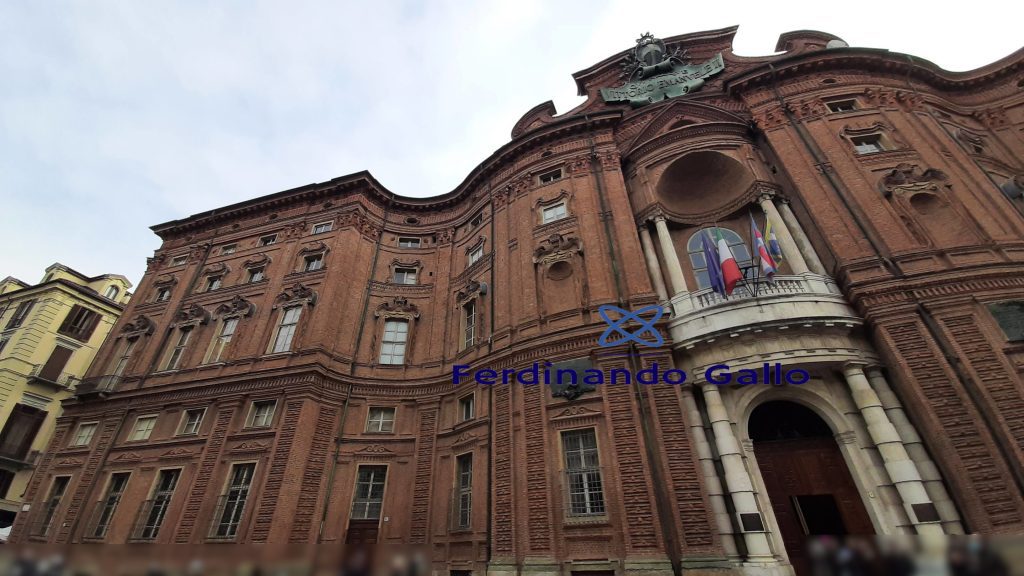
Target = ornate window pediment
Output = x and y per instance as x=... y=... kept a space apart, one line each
x=472 y=290
x=238 y=307
x=258 y=260
x=297 y=295
x=315 y=248
x=165 y=281
x=557 y=247
x=194 y=315
x=910 y=178
x=219 y=269
x=398 y=307
x=140 y=326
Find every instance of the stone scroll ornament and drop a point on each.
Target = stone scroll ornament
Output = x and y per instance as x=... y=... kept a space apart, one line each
x=652 y=74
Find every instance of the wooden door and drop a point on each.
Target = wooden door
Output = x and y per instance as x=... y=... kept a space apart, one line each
x=811 y=492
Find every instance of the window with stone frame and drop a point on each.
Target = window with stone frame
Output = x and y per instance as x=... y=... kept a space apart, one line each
x=380 y=419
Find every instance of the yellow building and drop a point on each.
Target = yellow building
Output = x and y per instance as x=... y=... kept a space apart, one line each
x=49 y=334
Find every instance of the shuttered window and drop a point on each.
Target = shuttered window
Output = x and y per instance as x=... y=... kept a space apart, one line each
x=79 y=323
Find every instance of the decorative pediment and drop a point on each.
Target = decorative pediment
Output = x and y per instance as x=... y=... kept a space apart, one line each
x=140 y=326
x=297 y=294
x=177 y=453
x=165 y=281
x=574 y=411
x=193 y=315
x=238 y=306
x=538 y=116
x=472 y=289
x=562 y=195
x=465 y=438
x=258 y=260
x=128 y=457
x=315 y=248
x=397 y=307
x=396 y=263
x=375 y=449
x=557 y=247
x=217 y=269
x=908 y=177
x=69 y=463
x=478 y=244
x=250 y=446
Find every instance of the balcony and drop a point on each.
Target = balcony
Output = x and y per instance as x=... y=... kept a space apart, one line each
x=59 y=382
x=808 y=301
x=97 y=387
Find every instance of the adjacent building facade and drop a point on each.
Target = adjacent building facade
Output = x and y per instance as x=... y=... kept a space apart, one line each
x=285 y=373
x=49 y=334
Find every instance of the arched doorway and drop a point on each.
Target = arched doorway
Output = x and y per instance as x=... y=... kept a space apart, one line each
x=805 y=475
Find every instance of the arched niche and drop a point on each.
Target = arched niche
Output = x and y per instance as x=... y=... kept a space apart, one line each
x=701 y=182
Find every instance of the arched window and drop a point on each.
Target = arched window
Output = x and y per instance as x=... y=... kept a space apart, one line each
x=111 y=292
x=696 y=251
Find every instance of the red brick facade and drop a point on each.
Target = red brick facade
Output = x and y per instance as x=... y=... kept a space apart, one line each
x=918 y=235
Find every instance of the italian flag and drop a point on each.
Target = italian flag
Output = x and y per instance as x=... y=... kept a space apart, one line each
x=730 y=269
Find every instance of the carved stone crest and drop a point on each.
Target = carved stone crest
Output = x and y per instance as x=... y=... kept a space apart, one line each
x=908 y=177
x=297 y=294
x=238 y=306
x=557 y=247
x=140 y=326
x=397 y=307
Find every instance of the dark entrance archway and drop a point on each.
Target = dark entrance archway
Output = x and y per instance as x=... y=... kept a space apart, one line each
x=808 y=483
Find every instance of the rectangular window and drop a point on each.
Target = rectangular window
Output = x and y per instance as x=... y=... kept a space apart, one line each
x=228 y=249
x=163 y=294
x=476 y=254
x=268 y=240
x=286 y=331
x=53 y=369
x=20 y=313
x=256 y=274
x=121 y=361
x=84 y=435
x=143 y=428
x=108 y=505
x=408 y=242
x=79 y=323
x=191 y=420
x=553 y=213
x=176 y=353
x=369 y=493
x=405 y=276
x=179 y=260
x=154 y=510
x=313 y=263
x=550 y=176
x=868 y=144
x=842 y=106
x=3 y=343
x=221 y=341
x=464 y=490
x=583 y=473
x=476 y=221
x=232 y=503
x=262 y=413
x=466 y=408
x=6 y=478
x=381 y=420
x=20 y=431
x=469 y=324
x=213 y=283
x=323 y=227
x=392 y=348
x=60 y=485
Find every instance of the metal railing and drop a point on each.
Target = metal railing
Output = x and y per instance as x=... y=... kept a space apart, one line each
x=227 y=516
x=98 y=385
x=583 y=493
x=149 y=519
x=781 y=286
x=63 y=380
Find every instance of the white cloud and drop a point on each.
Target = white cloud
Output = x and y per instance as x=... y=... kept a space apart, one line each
x=115 y=116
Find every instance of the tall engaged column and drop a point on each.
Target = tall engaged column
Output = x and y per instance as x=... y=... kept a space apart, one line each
x=737 y=480
x=790 y=252
x=652 y=262
x=712 y=483
x=901 y=468
x=668 y=251
x=918 y=453
x=802 y=241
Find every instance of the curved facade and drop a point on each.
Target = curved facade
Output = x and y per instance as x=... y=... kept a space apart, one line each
x=285 y=372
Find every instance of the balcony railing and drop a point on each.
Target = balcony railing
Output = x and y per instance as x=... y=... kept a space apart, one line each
x=63 y=381
x=98 y=386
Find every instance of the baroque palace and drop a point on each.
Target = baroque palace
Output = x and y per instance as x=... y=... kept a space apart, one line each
x=284 y=373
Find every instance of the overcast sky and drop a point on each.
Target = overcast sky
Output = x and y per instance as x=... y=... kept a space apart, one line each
x=115 y=116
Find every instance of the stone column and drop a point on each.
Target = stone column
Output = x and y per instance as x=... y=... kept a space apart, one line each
x=737 y=480
x=901 y=468
x=668 y=251
x=802 y=241
x=790 y=252
x=652 y=262
x=711 y=481
x=930 y=475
